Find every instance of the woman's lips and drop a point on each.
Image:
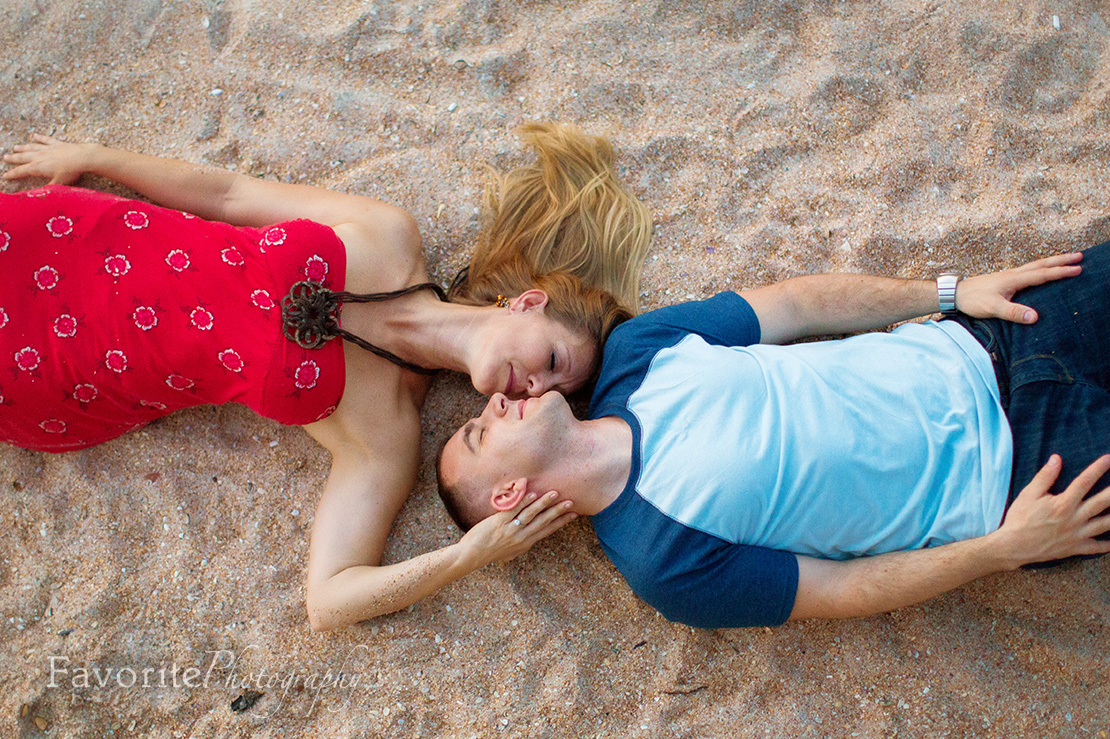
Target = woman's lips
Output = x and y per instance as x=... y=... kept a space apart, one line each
x=512 y=381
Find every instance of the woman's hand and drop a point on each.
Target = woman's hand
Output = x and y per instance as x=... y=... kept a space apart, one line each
x=59 y=161
x=989 y=296
x=509 y=534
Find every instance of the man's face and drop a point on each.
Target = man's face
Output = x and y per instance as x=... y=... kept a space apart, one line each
x=511 y=439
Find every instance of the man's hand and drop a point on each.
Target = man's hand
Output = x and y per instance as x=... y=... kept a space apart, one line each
x=59 y=161
x=1041 y=526
x=989 y=296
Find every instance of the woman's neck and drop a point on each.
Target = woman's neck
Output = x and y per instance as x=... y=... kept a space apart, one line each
x=420 y=329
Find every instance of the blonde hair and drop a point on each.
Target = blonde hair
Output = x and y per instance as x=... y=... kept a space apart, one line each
x=564 y=214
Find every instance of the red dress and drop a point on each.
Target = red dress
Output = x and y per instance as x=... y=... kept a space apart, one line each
x=115 y=312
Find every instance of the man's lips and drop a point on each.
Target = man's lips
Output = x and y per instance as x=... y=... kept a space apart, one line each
x=521 y=408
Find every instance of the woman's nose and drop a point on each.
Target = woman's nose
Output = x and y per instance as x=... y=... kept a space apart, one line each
x=536 y=386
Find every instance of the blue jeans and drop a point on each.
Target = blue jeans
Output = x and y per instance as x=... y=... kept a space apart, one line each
x=1054 y=376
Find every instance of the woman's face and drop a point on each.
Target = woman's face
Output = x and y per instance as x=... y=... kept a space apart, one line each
x=525 y=353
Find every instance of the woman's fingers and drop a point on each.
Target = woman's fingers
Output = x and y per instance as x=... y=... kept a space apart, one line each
x=17 y=157
x=527 y=511
x=551 y=514
x=554 y=525
x=16 y=173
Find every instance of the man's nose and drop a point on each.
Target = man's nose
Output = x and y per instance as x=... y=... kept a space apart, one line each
x=498 y=404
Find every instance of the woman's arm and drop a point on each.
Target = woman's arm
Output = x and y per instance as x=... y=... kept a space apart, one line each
x=364 y=493
x=821 y=305
x=209 y=192
x=1039 y=527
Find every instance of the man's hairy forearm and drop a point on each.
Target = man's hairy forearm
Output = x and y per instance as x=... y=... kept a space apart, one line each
x=1039 y=526
x=847 y=303
x=869 y=585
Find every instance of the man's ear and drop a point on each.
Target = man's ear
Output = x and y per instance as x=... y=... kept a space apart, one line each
x=528 y=300
x=509 y=495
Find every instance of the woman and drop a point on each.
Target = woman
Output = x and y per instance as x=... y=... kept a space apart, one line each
x=116 y=312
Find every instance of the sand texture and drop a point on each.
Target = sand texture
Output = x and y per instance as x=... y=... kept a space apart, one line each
x=769 y=140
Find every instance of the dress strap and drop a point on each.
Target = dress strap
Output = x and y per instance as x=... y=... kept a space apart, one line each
x=310 y=317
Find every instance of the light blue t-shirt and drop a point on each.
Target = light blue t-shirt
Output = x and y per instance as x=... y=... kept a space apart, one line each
x=745 y=454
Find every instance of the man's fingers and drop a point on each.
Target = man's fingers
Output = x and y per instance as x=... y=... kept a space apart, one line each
x=1042 y=275
x=1086 y=479
x=1018 y=313
x=1096 y=526
x=1095 y=505
x=1055 y=260
x=1042 y=481
x=1094 y=546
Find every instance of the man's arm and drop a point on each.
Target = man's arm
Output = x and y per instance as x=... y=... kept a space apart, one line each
x=820 y=305
x=1039 y=527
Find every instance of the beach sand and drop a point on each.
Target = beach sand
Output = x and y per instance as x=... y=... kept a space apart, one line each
x=769 y=140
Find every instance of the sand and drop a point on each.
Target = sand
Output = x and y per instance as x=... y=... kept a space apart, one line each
x=769 y=140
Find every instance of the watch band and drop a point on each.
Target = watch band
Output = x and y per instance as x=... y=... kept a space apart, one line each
x=946 y=292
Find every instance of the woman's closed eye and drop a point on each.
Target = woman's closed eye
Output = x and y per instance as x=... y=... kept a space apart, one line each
x=552 y=368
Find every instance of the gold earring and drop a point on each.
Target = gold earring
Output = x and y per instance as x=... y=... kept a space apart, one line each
x=502 y=301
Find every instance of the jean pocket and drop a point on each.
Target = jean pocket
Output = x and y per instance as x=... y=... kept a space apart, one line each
x=1040 y=368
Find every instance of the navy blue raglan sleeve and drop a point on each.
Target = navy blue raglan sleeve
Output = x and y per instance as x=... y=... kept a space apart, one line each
x=725 y=319
x=692 y=577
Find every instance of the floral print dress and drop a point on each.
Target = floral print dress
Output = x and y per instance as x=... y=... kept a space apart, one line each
x=115 y=312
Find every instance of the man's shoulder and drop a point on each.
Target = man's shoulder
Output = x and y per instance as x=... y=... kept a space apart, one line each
x=726 y=318
x=693 y=577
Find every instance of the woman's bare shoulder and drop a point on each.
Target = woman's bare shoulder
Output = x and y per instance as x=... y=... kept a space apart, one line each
x=384 y=250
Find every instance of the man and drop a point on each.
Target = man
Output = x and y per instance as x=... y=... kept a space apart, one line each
x=737 y=483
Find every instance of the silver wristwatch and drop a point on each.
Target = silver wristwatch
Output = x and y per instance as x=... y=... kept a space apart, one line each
x=946 y=292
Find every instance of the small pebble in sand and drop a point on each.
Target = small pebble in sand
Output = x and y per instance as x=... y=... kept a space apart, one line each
x=41 y=723
x=1056 y=22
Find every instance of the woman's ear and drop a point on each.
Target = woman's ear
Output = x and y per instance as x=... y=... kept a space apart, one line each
x=509 y=495
x=528 y=300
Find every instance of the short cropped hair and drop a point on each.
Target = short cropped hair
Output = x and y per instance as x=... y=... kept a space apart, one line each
x=459 y=507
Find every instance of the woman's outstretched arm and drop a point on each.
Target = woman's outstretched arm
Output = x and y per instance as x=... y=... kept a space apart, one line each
x=209 y=192
x=363 y=495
